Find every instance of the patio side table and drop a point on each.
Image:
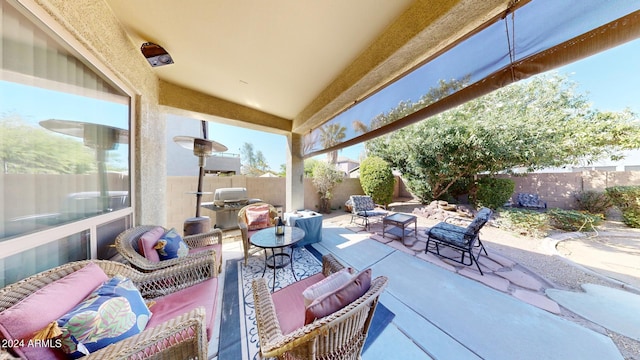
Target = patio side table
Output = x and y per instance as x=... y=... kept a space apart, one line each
x=399 y=223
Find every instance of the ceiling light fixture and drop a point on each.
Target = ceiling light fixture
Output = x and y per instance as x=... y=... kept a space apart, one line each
x=155 y=54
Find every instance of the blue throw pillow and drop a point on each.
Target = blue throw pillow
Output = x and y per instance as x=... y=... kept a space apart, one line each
x=171 y=246
x=112 y=312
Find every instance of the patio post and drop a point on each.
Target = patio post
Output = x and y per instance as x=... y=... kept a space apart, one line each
x=295 y=173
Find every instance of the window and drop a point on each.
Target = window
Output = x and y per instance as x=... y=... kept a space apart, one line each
x=64 y=148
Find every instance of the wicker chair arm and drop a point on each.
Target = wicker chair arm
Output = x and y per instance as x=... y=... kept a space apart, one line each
x=276 y=344
x=330 y=265
x=188 y=272
x=244 y=230
x=186 y=334
x=266 y=317
x=205 y=239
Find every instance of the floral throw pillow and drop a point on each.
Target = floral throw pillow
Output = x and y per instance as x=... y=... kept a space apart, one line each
x=112 y=312
x=171 y=246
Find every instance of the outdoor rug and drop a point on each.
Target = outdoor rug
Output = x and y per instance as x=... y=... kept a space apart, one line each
x=238 y=330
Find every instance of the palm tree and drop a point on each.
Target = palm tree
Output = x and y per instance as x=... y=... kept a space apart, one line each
x=330 y=135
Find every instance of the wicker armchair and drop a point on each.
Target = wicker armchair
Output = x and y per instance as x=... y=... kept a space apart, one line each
x=340 y=335
x=246 y=233
x=127 y=242
x=186 y=333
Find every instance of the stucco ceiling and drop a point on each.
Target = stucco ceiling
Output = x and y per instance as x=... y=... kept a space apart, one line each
x=292 y=64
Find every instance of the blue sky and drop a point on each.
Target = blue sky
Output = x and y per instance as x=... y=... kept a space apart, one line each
x=611 y=79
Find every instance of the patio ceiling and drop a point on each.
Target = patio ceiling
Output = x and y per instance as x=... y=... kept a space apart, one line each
x=289 y=66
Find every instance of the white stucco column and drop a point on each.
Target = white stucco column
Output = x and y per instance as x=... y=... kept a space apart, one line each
x=295 y=173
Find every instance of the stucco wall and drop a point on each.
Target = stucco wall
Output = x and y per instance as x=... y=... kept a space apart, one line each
x=558 y=189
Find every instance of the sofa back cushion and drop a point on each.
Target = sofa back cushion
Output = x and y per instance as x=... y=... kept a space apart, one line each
x=338 y=299
x=47 y=304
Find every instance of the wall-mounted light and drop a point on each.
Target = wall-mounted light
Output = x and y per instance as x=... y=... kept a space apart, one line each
x=155 y=54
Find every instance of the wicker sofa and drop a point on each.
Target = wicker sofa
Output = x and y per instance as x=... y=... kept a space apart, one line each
x=205 y=244
x=182 y=300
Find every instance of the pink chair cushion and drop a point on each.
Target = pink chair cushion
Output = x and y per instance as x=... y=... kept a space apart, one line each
x=258 y=217
x=147 y=241
x=289 y=303
x=336 y=300
x=326 y=285
x=180 y=302
x=47 y=304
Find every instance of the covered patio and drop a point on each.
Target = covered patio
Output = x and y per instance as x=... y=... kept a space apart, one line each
x=292 y=69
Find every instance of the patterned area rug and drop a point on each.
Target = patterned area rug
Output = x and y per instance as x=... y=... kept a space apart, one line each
x=239 y=339
x=238 y=330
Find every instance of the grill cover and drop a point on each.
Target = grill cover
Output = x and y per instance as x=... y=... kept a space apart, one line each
x=224 y=196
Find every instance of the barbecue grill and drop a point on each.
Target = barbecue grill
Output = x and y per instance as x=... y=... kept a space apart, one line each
x=227 y=202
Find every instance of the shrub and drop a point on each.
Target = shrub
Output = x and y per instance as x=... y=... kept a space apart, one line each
x=377 y=180
x=325 y=178
x=572 y=220
x=493 y=193
x=627 y=199
x=594 y=202
x=524 y=222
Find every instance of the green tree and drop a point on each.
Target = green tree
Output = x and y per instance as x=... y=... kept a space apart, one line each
x=377 y=180
x=29 y=149
x=330 y=135
x=253 y=162
x=325 y=178
x=534 y=124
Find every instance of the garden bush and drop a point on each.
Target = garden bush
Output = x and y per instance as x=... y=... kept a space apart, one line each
x=377 y=180
x=572 y=220
x=627 y=199
x=594 y=202
x=493 y=193
x=525 y=222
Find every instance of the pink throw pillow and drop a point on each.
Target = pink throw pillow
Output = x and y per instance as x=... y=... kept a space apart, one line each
x=49 y=303
x=329 y=284
x=258 y=217
x=336 y=300
x=147 y=242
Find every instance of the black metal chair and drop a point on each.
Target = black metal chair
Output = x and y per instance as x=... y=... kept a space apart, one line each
x=364 y=208
x=460 y=238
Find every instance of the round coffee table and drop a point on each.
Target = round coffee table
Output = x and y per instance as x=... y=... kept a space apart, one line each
x=267 y=239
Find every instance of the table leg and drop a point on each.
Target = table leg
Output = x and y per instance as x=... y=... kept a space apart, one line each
x=291 y=261
x=273 y=255
x=265 y=262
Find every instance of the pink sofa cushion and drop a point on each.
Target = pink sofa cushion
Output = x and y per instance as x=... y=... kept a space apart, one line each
x=336 y=300
x=289 y=303
x=326 y=285
x=47 y=304
x=180 y=302
x=258 y=217
x=147 y=242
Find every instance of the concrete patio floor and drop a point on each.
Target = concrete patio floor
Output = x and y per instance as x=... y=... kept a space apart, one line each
x=447 y=311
